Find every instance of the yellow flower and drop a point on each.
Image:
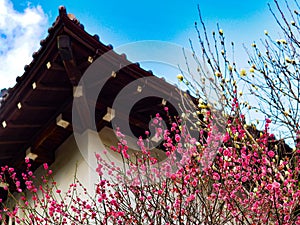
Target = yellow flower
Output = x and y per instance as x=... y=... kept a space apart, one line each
x=180 y=77
x=293 y=23
x=202 y=106
x=266 y=32
x=240 y=93
x=230 y=68
x=283 y=41
x=251 y=70
x=221 y=32
x=253 y=45
x=288 y=60
x=218 y=74
x=243 y=72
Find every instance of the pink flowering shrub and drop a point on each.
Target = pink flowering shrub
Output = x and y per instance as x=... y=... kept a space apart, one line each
x=242 y=182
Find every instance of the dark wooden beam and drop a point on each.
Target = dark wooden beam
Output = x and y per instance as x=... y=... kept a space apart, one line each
x=54 y=66
x=44 y=156
x=45 y=87
x=48 y=130
x=74 y=74
x=66 y=54
x=28 y=106
x=22 y=125
x=12 y=141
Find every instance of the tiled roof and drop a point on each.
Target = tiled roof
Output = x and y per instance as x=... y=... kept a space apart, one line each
x=45 y=91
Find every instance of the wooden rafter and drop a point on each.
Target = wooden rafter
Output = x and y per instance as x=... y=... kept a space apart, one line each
x=74 y=74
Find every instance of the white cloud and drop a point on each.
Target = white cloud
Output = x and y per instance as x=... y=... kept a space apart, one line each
x=20 y=35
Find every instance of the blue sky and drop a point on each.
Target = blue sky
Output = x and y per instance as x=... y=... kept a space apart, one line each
x=121 y=22
x=126 y=21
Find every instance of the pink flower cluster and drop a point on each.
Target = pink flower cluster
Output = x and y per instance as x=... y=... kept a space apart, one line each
x=220 y=178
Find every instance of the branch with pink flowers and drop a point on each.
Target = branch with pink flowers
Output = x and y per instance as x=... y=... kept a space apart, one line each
x=216 y=166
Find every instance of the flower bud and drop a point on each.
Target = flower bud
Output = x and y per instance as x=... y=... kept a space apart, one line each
x=243 y=72
x=221 y=32
x=180 y=77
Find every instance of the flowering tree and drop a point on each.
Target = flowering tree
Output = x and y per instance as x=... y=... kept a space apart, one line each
x=275 y=72
x=246 y=183
x=273 y=76
x=230 y=173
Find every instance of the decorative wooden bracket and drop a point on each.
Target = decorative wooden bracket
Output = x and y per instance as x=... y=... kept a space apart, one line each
x=66 y=54
x=74 y=74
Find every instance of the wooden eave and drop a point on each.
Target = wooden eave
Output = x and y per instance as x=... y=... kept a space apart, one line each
x=45 y=90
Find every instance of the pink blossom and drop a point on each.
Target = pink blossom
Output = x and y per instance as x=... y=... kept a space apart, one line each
x=190 y=198
x=45 y=165
x=226 y=152
x=268 y=120
x=276 y=185
x=271 y=154
x=177 y=137
x=216 y=176
x=244 y=179
x=226 y=137
x=269 y=187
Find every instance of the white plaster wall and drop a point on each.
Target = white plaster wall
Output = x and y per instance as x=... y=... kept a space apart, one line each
x=68 y=161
